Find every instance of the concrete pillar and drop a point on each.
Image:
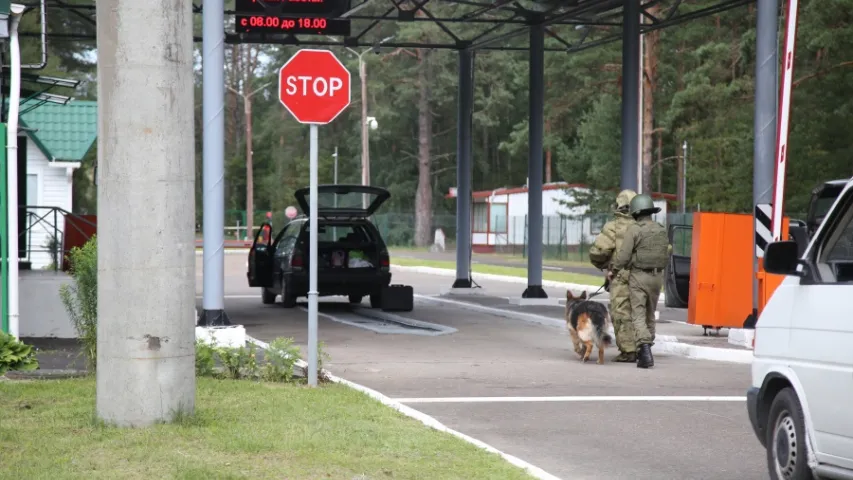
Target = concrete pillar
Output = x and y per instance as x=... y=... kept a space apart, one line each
x=765 y=120
x=630 y=94
x=464 y=165
x=213 y=160
x=534 y=165
x=146 y=203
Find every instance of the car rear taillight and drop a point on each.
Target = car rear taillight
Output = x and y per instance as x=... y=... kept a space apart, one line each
x=384 y=261
x=297 y=261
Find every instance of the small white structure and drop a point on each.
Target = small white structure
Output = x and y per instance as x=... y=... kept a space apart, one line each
x=499 y=216
x=438 y=244
x=53 y=139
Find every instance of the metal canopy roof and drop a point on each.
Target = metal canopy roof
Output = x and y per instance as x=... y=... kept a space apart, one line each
x=574 y=25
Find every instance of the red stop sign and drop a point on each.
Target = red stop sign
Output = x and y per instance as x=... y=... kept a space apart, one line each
x=314 y=86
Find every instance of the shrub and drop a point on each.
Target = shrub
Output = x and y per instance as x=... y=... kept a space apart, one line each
x=81 y=298
x=204 y=359
x=242 y=363
x=280 y=358
x=15 y=355
x=239 y=362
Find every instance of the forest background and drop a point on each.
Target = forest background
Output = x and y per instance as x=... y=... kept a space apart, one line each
x=698 y=87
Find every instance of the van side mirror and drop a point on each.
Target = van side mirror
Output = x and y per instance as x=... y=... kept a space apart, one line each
x=782 y=258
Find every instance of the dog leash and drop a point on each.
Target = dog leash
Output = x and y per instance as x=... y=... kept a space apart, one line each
x=597 y=292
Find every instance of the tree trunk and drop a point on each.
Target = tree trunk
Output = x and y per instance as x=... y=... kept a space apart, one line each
x=650 y=72
x=679 y=189
x=548 y=152
x=365 y=146
x=423 y=197
x=660 y=162
x=250 y=182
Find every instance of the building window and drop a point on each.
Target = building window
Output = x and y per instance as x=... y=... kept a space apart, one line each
x=481 y=218
x=497 y=218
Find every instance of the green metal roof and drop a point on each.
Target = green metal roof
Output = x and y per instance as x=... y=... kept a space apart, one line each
x=64 y=133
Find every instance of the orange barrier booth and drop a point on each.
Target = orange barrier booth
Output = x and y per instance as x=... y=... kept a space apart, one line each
x=721 y=270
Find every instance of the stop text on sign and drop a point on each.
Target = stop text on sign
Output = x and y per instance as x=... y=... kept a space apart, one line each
x=314 y=86
x=319 y=86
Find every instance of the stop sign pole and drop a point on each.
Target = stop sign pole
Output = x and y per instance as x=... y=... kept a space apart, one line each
x=314 y=86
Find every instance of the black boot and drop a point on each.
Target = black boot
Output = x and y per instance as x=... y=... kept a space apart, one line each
x=626 y=357
x=644 y=356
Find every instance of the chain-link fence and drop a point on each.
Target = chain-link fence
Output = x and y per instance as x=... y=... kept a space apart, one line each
x=563 y=238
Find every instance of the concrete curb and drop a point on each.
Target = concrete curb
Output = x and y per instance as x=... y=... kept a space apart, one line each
x=667 y=344
x=446 y=272
x=427 y=420
x=701 y=352
x=742 y=337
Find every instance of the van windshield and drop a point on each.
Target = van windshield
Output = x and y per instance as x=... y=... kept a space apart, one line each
x=822 y=206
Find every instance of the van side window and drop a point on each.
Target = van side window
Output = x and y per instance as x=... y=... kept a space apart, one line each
x=835 y=257
x=842 y=251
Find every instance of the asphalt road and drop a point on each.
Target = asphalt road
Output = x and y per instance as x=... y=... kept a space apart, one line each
x=491 y=356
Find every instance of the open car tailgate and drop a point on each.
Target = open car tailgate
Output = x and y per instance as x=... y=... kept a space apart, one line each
x=344 y=200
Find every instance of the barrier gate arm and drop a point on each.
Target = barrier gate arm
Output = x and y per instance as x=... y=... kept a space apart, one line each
x=784 y=118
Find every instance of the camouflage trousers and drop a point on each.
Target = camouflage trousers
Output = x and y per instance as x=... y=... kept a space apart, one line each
x=645 y=292
x=620 y=312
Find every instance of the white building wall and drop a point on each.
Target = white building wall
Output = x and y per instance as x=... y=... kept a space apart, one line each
x=556 y=230
x=54 y=190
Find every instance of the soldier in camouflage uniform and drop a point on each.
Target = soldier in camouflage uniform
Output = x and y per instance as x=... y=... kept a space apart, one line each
x=641 y=260
x=601 y=253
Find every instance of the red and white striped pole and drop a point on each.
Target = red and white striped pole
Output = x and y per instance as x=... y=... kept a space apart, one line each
x=784 y=119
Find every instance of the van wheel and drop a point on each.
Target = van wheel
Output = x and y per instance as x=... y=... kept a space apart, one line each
x=267 y=297
x=786 y=439
x=355 y=299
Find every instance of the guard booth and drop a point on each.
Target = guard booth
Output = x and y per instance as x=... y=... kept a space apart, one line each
x=713 y=277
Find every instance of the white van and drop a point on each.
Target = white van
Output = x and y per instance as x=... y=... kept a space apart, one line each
x=801 y=400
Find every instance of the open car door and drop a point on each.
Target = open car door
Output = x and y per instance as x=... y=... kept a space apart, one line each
x=344 y=200
x=260 y=258
x=677 y=279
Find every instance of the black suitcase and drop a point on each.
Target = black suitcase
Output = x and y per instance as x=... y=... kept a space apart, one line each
x=398 y=298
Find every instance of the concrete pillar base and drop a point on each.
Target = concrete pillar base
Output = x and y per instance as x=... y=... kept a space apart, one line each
x=534 y=291
x=463 y=291
x=213 y=318
x=534 y=301
x=231 y=336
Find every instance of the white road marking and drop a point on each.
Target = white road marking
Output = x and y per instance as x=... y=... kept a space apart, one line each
x=427 y=420
x=235 y=296
x=548 y=267
x=583 y=398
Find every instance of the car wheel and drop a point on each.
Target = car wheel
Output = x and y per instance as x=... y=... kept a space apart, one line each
x=355 y=299
x=786 y=439
x=287 y=299
x=267 y=297
x=376 y=300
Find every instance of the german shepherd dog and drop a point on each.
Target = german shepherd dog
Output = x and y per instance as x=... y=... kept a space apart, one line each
x=589 y=323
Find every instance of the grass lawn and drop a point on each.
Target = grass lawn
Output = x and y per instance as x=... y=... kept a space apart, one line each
x=579 y=278
x=241 y=429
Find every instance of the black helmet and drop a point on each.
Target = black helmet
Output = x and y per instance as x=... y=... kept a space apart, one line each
x=643 y=204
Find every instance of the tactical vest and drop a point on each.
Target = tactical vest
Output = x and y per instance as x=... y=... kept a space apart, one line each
x=652 y=250
x=620 y=226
